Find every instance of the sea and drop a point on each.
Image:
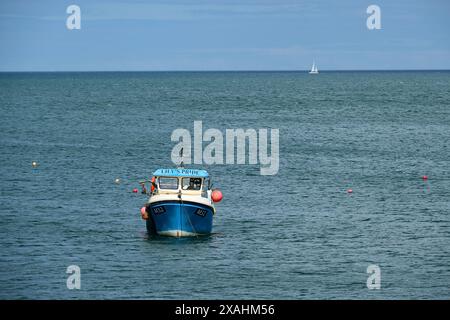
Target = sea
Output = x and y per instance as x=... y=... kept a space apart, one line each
x=363 y=184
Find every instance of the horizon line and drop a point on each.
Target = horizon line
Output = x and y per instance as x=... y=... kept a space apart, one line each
x=212 y=70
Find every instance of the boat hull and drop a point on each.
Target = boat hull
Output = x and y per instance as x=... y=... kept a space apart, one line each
x=177 y=218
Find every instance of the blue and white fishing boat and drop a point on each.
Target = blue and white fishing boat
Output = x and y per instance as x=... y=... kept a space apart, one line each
x=181 y=203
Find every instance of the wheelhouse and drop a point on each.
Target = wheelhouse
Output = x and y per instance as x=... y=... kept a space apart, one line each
x=185 y=181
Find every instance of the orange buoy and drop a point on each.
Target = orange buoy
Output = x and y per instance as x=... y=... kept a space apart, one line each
x=216 y=195
x=144 y=214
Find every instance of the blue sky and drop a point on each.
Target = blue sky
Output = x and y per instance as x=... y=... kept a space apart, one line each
x=223 y=35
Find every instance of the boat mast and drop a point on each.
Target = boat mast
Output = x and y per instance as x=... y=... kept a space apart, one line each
x=181 y=156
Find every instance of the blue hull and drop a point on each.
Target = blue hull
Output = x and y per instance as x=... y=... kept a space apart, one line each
x=176 y=218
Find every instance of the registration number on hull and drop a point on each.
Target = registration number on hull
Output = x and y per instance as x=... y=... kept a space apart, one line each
x=201 y=212
x=159 y=210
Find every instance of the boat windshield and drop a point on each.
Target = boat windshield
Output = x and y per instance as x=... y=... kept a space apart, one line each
x=168 y=183
x=192 y=183
x=206 y=185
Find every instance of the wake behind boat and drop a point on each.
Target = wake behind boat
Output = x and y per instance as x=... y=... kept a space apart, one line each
x=181 y=203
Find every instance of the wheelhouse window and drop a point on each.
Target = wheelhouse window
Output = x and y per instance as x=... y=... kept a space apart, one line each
x=192 y=183
x=168 y=183
x=206 y=185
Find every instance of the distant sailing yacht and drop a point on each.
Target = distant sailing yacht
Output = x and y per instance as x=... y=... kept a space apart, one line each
x=314 y=69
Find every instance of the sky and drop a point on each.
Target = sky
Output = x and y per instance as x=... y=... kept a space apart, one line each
x=167 y=35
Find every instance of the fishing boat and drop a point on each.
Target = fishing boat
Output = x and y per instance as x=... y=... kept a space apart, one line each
x=314 y=69
x=181 y=203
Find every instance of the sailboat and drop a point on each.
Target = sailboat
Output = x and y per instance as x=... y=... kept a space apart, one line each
x=314 y=69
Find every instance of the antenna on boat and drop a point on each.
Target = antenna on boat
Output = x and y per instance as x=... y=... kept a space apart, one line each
x=181 y=156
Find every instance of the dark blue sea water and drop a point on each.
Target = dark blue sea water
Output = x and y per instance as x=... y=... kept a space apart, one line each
x=294 y=235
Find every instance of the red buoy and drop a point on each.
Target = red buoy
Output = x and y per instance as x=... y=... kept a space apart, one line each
x=135 y=190
x=216 y=195
x=349 y=191
x=425 y=177
x=144 y=214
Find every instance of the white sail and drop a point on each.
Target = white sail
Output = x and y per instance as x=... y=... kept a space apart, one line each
x=314 y=69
